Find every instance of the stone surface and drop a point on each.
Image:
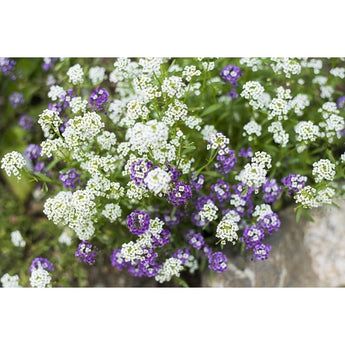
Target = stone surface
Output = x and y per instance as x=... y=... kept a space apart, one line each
x=304 y=254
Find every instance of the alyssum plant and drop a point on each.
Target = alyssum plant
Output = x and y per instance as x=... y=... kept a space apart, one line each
x=162 y=164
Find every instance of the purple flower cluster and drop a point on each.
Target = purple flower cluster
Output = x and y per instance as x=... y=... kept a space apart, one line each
x=231 y=74
x=271 y=191
x=117 y=260
x=245 y=194
x=33 y=151
x=270 y=223
x=294 y=182
x=253 y=235
x=225 y=161
x=8 y=68
x=246 y=153
x=261 y=251
x=182 y=255
x=341 y=102
x=196 y=240
x=26 y=122
x=16 y=99
x=70 y=179
x=48 y=63
x=139 y=171
x=179 y=194
x=174 y=173
x=162 y=239
x=86 y=253
x=221 y=190
x=171 y=219
x=39 y=167
x=41 y=263
x=197 y=182
x=217 y=262
x=99 y=98
x=138 y=222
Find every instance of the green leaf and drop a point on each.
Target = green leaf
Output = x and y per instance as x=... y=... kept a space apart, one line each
x=298 y=214
x=188 y=149
x=212 y=108
x=44 y=178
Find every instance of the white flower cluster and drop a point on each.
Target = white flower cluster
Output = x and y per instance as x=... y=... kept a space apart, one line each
x=171 y=267
x=280 y=136
x=218 y=141
x=174 y=87
x=157 y=181
x=315 y=64
x=75 y=74
x=112 y=212
x=333 y=123
x=254 y=173
x=124 y=69
x=78 y=104
x=17 y=239
x=189 y=72
x=40 y=278
x=13 y=162
x=49 y=120
x=9 y=281
x=75 y=209
x=65 y=238
x=208 y=212
x=208 y=131
x=252 y=128
x=262 y=210
x=306 y=131
x=323 y=170
x=254 y=63
x=286 y=65
x=56 y=92
x=299 y=103
x=228 y=227
x=97 y=74
x=338 y=72
x=254 y=92
x=106 y=140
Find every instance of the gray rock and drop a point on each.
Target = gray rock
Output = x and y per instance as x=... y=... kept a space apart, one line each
x=304 y=254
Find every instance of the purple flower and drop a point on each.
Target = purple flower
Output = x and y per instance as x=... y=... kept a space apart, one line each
x=261 y=251
x=341 y=102
x=86 y=253
x=148 y=267
x=232 y=93
x=271 y=191
x=39 y=167
x=8 y=68
x=180 y=194
x=170 y=219
x=99 y=98
x=117 y=260
x=196 y=240
x=33 y=151
x=41 y=263
x=231 y=74
x=196 y=220
x=138 y=222
x=197 y=181
x=294 y=182
x=26 y=122
x=270 y=222
x=16 y=99
x=206 y=250
x=139 y=171
x=221 y=190
x=162 y=239
x=217 y=262
x=182 y=255
x=225 y=161
x=70 y=178
x=246 y=153
x=48 y=63
x=174 y=173
x=202 y=200
x=252 y=236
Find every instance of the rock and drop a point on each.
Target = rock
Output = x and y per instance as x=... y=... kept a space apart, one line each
x=304 y=254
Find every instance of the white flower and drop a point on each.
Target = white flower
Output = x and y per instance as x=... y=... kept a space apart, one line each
x=189 y=72
x=174 y=86
x=106 y=140
x=75 y=74
x=77 y=104
x=286 y=65
x=338 y=72
x=97 y=74
x=307 y=197
x=208 y=211
x=262 y=210
x=227 y=229
x=13 y=162
x=112 y=212
x=323 y=170
x=208 y=131
x=17 y=239
x=157 y=181
x=40 y=278
x=65 y=238
x=252 y=128
x=306 y=131
x=56 y=92
x=49 y=120
x=171 y=267
x=8 y=281
x=218 y=140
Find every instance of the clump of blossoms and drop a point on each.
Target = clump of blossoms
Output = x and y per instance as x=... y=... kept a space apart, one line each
x=166 y=166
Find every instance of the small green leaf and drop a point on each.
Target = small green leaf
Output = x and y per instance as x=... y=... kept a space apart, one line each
x=212 y=108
